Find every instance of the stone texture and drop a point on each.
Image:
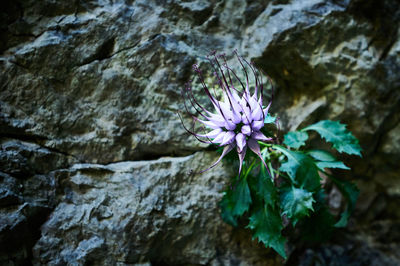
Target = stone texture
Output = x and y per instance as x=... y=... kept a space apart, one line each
x=89 y=102
x=139 y=211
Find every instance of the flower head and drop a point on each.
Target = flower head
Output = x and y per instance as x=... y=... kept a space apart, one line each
x=237 y=119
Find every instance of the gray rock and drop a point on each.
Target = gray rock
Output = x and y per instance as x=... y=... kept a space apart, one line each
x=89 y=102
x=27 y=196
x=136 y=211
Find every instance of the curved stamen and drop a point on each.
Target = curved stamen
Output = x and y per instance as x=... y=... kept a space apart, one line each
x=238 y=79
x=191 y=99
x=190 y=132
x=254 y=73
x=222 y=72
x=196 y=68
x=245 y=72
x=213 y=100
x=242 y=97
x=226 y=88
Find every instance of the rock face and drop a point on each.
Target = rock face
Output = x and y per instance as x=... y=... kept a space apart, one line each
x=94 y=162
x=137 y=211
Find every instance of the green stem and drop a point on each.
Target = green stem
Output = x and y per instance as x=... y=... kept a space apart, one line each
x=264 y=144
x=249 y=169
x=271 y=170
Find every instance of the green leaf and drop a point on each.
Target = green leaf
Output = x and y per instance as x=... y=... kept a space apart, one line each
x=338 y=164
x=265 y=188
x=326 y=160
x=266 y=224
x=226 y=206
x=296 y=203
x=269 y=119
x=351 y=192
x=321 y=155
x=295 y=139
x=301 y=168
x=294 y=161
x=241 y=197
x=235 y=202
x=337 y=134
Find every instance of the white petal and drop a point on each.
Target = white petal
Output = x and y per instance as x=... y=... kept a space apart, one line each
x=226 y=111
x=220 y=137
x=211 y=124
x=246 y=130
x=231 y=109
x=253 y=103
x=230 y=125
x=257 y=135
x=235 y=101
x=240 y=141
x=246 y=119
x=211 y=134
x=241 y=154
x=257 y=113
x=228 y=138
x=237 y=118
x=216 y=117
x=257 y=125
x=266 y=109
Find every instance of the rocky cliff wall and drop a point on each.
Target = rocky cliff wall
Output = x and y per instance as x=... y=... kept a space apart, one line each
x=94 y=162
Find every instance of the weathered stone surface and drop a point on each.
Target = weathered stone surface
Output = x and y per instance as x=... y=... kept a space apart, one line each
x=25 y=206
x=89 y=96
x=139 y=211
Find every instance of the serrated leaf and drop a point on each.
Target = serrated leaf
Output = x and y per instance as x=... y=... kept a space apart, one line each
x=351 y=192
x=301 y=168
x=294 y=161
x=269 y=119
x=295 y=139
x=337 y=134
x=266 y=224
x=296 y=203
x=326 y=160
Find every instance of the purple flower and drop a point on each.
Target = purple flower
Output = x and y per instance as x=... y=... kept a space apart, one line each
x=238 y=118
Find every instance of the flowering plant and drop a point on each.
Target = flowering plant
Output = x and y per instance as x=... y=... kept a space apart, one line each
x=284 y=190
